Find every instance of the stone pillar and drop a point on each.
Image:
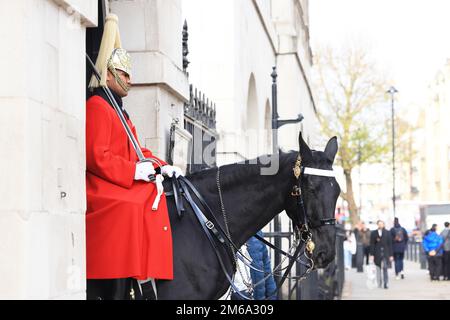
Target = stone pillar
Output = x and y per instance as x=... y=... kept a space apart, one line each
x=151 y=31
x=42 y=148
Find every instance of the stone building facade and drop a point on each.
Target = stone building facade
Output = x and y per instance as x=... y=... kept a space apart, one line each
x=233 y=46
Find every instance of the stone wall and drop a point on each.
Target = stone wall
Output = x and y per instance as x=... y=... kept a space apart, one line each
x=42 y=161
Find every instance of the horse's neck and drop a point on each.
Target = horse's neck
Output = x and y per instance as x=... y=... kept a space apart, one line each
x=253 y=202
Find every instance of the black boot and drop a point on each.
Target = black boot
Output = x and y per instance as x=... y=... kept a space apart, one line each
x=113 y=289
x=147 y=291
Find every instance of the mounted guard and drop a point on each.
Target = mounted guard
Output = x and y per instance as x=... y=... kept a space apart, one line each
x=128 y=232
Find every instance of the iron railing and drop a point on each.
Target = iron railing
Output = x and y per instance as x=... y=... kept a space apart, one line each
x=200 y=122
x=414 y=252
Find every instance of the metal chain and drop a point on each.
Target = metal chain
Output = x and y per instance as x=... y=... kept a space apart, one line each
x=248 y=284
x=290 y=251
x=275 y=270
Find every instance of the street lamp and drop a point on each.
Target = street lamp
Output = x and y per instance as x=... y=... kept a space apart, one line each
x=359 y=173
x=392 y=91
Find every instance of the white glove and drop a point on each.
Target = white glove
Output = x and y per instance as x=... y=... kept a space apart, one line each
x=143 y=170
x=169 y=171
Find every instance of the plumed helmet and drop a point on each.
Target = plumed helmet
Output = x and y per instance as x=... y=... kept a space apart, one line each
x=111 y=56
x=120 y=60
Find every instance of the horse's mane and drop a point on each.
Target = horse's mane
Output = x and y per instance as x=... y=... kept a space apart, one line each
x=243 y=169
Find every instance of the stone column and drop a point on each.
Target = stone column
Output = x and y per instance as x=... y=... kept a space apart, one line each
x=42 y=148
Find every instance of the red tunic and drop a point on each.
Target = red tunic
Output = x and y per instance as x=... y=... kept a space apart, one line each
x=124 y=237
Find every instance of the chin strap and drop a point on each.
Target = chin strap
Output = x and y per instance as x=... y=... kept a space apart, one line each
x=119 y=81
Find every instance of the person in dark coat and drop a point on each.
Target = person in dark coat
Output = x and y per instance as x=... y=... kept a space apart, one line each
x=399 y=243
x=381 y=252
x=359 y=235
x=365 y=238
x=445 y=235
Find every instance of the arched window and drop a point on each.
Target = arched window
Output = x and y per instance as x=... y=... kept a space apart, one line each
x=251 y=125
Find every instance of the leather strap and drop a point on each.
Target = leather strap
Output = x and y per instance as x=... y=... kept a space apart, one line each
x=203 y=223
x=267 y=243
x=208 y=223
x=177 y=197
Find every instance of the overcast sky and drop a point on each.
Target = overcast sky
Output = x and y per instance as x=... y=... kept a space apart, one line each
x=410 y=39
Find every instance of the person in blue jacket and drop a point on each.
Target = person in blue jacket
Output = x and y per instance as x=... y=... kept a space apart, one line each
x=399 y=242
x=432 y=245
x=261 y=260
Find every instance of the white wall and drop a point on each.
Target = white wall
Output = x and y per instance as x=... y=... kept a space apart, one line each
x=434 y=150
x=151 y=30
x=42 y=116
x=232 y=41
x=227 y=47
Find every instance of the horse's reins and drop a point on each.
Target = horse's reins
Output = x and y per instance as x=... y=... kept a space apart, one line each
x=303 y=230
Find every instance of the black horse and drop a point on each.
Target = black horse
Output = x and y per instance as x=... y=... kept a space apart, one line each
x=251 y=201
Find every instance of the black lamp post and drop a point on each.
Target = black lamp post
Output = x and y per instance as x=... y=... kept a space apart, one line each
x=392 y=91
x=277 y=123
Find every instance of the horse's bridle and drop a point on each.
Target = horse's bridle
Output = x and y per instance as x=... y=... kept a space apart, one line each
x=303 y=229
x=305 y=226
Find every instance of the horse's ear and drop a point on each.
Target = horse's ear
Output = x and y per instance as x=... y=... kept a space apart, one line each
x=305 y=151
x=331 y=149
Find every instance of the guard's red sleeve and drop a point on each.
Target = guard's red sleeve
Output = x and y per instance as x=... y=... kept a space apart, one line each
x=99 y=158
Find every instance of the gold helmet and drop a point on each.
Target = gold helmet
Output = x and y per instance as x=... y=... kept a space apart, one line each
x=120 y=60
x=111 y=55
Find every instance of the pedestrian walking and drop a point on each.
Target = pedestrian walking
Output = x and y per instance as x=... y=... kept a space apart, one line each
x=445 y=234
x=381 y=253
x=349 y=248
x=359 y=256
x=365 y=238
x=432 y=245
x=399 y=242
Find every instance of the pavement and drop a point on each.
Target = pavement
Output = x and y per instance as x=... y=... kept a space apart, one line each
x=415 y=286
